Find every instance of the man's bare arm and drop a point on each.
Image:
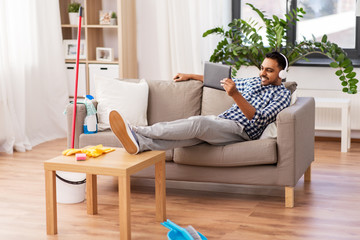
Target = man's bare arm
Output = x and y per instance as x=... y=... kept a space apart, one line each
x=183 y=77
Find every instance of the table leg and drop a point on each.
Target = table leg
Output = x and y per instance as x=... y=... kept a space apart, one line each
x=91 y=194
x=124 y=207
x=51 y=211
x=160 y=191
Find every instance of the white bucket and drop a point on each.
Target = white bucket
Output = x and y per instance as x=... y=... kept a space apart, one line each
x=70 y=187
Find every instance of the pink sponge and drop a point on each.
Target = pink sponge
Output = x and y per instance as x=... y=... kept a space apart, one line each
x=80 y=156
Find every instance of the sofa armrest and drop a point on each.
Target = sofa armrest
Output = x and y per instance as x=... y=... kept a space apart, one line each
x=295 y=141
x=80 y=116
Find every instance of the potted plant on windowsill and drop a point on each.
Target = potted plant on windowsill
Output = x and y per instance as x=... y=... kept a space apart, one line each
x=73 y=10
x=242 y=45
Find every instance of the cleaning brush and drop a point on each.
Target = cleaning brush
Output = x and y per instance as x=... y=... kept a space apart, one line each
x=190 y=229
x=177 y=232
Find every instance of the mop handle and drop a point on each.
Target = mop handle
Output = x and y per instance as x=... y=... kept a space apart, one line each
x=76 y=79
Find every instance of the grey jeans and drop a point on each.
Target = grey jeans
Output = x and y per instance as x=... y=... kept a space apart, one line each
x=190 y=132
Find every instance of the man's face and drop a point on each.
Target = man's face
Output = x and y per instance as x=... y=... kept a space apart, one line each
x=269 y=72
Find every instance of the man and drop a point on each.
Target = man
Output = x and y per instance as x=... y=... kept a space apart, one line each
x=258 y=100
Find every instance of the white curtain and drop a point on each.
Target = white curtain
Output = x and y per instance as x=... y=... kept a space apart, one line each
x=170 y=35
x=33 y=90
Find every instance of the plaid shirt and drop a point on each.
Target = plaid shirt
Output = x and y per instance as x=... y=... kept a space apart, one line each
x=268 y=101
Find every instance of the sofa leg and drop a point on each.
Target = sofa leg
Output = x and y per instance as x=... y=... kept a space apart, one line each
x=289 y=197
x=307 y=174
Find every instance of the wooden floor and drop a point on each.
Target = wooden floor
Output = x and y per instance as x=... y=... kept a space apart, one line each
x=327 y=208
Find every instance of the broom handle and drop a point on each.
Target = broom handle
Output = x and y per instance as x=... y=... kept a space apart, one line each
x=76 y=79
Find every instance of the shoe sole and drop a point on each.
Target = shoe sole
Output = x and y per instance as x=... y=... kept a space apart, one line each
x=123 y=132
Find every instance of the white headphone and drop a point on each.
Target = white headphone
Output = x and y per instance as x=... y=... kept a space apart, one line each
x=283 y=73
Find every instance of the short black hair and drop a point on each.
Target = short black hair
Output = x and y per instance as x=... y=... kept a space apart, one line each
x=278 y=57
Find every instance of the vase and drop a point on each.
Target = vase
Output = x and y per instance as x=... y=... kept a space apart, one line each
x=74 y=18
x=113 y=21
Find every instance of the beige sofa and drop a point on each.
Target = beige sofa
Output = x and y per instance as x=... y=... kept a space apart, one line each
x=280 y=161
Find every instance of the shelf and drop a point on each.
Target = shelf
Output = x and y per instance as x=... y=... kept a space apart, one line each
x=71 y=26
x=74 y=60
x=104 y=62
x=102 y=26
x=105 y=36
x=89 y=26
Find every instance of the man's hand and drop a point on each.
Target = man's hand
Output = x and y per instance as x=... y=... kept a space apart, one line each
x=229 y=86
x=181 y=77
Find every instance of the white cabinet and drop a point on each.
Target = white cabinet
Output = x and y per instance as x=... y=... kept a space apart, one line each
x=71 y=73
x=104 y=70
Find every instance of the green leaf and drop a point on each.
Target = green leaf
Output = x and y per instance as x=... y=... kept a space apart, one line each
x=353 y=81
x=324 y=38
x=345 y=63
x=340 y=57
x=351 y=75
x=344 y=83
x=345 y=90
x=342 y=78
x=339 y=72
x=334 y=65
x=349 y=69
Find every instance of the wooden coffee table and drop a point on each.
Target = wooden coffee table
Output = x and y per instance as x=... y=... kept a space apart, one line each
x=118 y=163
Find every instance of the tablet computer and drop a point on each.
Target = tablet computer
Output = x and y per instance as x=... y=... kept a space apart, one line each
x=214 y=72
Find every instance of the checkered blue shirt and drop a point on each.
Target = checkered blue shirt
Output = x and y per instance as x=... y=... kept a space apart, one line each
x=268 y=101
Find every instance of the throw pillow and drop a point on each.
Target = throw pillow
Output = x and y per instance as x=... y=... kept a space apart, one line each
x=128 y=98
x=290 y=86
x=270 y=131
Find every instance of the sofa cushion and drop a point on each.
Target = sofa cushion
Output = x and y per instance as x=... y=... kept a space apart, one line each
x=169 y=100
x=256 y=152
x=108 y=139
x=215 y=101
x=128 y=98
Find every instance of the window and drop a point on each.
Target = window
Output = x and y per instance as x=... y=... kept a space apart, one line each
x=335 y=18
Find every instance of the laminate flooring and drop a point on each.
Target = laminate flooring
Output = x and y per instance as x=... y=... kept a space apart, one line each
x=327 y=208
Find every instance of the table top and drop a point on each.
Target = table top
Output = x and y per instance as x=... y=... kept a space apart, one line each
x=332 y=102
x=116 y=163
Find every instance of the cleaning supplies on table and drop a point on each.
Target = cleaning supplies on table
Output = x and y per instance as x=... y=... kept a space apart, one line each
x=178 y=233
x=93 y=151
x=90 y=122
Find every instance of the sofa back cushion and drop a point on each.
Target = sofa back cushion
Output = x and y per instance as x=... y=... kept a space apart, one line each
x=169 y=100
x=215 y=101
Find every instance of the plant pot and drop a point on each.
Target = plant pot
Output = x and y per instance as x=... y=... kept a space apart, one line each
x=74 y=19
x=113 y=21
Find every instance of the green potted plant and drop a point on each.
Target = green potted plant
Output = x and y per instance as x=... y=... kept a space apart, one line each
x=242 y=45
x=73 y=10
x=113 y=18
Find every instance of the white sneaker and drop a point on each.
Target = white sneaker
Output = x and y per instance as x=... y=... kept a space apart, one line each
x=123 y=132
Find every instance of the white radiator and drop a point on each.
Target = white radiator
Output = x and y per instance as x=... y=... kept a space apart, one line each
x=331 y=118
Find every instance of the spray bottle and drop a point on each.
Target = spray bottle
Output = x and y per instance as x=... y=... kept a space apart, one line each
x=90 y=122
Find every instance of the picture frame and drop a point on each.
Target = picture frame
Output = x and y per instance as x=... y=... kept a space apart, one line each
x=70 y=47
x=104 y=54
x=104 y=17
